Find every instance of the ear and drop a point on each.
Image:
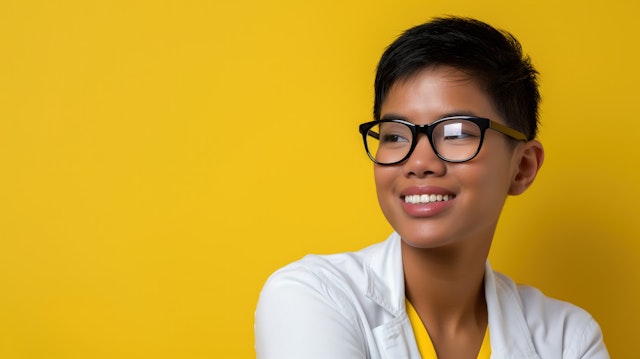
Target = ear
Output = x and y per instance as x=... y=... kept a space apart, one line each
x=529 y=159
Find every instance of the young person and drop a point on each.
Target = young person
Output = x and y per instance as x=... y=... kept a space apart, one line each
x=456 y=112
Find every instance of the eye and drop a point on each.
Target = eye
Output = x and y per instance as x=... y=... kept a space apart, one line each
x=391 y=132
x=460 y=131
x=392 y=138
x=460 y=136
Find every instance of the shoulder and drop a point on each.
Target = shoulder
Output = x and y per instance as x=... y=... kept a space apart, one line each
x=323 y=272
x=313 y=308
x=556 y=325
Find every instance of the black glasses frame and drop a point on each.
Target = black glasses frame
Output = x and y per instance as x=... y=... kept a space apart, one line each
x=427 y=129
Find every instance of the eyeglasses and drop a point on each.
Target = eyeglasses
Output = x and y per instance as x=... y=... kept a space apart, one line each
x=453 y=139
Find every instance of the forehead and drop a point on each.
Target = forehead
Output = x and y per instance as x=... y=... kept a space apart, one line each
x=437 y=92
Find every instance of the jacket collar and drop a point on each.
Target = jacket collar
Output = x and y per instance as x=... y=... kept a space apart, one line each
x=385 y=275
x=509 y=332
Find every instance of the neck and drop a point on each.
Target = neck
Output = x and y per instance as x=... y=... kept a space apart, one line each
x=446 y=285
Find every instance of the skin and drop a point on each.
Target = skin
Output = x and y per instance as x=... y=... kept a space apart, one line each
x=445 y=247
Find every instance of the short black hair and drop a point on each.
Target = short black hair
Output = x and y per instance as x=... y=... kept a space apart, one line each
x=492 y=57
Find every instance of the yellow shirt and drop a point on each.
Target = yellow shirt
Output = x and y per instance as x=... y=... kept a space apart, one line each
x=425 y=347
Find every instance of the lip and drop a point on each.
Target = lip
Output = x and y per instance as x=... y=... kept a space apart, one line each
x=427 y=209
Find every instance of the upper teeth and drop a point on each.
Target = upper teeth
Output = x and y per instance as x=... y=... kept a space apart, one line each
x=427 y=198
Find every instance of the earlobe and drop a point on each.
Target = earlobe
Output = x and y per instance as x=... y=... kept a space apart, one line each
x=530 y=157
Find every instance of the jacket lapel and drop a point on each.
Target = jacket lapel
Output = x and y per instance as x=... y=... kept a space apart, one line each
x=510 y=335
x=385 y=286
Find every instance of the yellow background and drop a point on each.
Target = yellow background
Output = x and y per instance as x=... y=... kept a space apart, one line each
x=161 y=158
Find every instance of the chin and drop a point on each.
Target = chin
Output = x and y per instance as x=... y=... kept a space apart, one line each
x=425 y=239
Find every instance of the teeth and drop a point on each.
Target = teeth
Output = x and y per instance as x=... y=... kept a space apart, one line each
x=426 y=198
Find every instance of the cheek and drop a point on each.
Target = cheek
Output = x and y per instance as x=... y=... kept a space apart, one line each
x=493 y=172
x=487 y=185
x=384 y=179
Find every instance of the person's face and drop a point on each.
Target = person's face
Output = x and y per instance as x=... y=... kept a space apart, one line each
x=476 y=190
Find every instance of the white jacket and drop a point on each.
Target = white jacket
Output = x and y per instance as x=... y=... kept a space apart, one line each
x=352 y=305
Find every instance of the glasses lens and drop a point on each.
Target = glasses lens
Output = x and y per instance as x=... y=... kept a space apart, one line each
x=389 y=142
x=457 y=139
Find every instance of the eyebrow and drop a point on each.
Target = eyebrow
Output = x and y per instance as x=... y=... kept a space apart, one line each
x=393 y=116
x=460 y=113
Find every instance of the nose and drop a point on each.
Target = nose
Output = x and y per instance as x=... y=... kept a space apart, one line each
x=424 y=161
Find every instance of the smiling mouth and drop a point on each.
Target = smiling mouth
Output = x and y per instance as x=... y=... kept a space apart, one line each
x=428 y=198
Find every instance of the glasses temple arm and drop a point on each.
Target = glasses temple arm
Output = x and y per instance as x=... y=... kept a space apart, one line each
x=508 y=131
